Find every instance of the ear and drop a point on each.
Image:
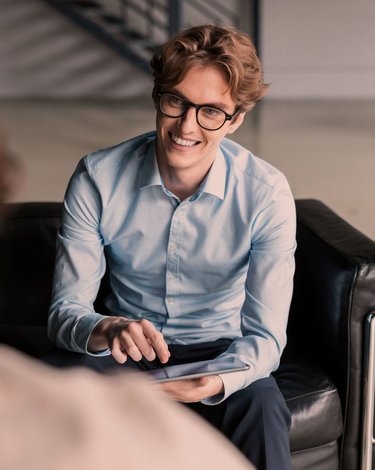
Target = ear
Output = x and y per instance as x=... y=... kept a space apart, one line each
x=235 y=123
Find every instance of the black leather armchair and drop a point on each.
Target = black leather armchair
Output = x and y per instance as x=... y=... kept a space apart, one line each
x=325 y=370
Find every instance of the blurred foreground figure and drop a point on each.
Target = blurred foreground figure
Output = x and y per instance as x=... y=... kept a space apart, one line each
x=76 y=419
x=8 y=175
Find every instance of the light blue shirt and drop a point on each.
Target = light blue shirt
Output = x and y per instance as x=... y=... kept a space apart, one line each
x=217 y=265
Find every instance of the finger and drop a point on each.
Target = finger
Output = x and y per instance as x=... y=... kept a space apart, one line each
x=116 y=351
x=128 y=344
x=203 y=381
x=156 y=340
x=135 y=330
x=185 y=391
x=193 y=390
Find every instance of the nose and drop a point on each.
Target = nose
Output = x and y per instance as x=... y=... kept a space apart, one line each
x=188 y=121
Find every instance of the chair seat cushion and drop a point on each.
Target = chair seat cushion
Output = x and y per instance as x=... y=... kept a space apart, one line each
x=313 y=401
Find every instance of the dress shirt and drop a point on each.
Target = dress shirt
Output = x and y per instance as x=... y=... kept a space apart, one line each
x=219 y=264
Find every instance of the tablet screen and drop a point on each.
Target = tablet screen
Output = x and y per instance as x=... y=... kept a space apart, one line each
x=192 y=370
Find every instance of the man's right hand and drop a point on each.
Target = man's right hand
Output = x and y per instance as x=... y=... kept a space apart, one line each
x=134 y=338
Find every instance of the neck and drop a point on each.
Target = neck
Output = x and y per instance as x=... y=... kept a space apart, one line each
x=183 y=182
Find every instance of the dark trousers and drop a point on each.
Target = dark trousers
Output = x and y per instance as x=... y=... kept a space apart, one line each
x=256 y=418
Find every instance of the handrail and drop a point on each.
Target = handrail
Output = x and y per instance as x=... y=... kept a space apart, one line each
x=113 y=22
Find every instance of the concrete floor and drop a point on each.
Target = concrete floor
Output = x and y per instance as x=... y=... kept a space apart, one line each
x=326 y=149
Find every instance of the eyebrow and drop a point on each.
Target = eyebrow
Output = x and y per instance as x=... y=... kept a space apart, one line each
x=218 y=105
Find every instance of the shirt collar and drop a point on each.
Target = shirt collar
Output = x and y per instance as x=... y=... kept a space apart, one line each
x=214 y=183
x=149 y=173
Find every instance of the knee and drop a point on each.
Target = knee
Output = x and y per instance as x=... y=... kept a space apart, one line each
x=264 y=391
x=263 y=398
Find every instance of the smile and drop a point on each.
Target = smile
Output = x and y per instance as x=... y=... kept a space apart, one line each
x=183 y=142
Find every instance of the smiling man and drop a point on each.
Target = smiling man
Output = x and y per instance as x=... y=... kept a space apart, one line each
x=198 y=237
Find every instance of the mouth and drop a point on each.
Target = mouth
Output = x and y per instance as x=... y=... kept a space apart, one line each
x=186 y=143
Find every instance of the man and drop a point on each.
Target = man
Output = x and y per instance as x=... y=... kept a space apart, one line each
x=198 y=236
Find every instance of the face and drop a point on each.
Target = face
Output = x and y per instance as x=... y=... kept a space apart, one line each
x=181 y=143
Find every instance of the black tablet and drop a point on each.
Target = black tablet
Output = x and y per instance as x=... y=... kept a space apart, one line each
x=194 y=370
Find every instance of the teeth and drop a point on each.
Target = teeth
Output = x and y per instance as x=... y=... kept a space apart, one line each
x=185 y=143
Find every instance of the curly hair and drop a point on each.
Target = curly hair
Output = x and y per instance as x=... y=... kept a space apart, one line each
x=224 y=47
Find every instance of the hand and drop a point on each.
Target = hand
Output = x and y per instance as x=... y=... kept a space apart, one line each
x=193 y=390
x=125 y=338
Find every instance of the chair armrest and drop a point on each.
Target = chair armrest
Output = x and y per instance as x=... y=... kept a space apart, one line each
x=334 y=291
x=368 y=394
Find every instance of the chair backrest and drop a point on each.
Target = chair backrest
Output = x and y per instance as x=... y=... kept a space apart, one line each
x=27 y=253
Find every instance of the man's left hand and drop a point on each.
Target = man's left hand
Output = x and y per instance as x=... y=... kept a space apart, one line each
x=193 y=390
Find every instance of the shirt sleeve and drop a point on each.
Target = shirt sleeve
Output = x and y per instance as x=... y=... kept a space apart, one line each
x=268 y=292
x=79 y=267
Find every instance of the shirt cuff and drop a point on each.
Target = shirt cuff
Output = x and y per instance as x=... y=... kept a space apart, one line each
x=83 y=331
x=233 y=381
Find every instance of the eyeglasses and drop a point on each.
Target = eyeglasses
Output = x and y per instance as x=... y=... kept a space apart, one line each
x=208 y=117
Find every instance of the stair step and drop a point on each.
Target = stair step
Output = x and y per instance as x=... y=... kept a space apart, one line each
x=83 y=3
x=112 y=19
x=111 y=28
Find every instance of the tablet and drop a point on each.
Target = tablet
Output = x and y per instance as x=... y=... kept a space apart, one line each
x=193 y=370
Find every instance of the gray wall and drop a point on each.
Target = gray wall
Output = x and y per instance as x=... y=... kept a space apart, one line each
x=320 y=48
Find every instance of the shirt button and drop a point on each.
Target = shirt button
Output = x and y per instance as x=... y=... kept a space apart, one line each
x=170 y=300
x=172 y=247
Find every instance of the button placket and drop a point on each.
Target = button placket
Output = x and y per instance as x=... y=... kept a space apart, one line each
x=172 y=265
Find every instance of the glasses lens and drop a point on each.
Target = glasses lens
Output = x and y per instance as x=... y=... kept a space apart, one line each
x=211 y=118
x=172 y=105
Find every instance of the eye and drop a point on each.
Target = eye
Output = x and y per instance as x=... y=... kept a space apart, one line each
x=212 y=112
x=174 y=100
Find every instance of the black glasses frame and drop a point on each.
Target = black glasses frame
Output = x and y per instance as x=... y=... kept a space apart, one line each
x=188 y=104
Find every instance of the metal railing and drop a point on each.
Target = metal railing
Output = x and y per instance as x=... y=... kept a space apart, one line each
x=135 y=28
x=368 y=440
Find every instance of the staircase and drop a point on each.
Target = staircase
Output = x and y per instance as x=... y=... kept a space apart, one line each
x=135 y=28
